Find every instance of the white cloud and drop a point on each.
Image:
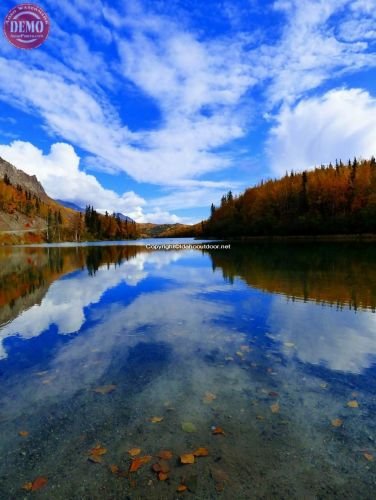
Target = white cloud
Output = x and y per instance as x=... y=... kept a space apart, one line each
x=162 y=217
x=341 y=124
x=85 y=14
x=308 y=53
x=184 y=74
x=367 y=6
x=190 y=198
x=360 y=23
x=170 y=156
x=197 y=85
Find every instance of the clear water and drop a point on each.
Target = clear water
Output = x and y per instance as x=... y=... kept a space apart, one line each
x=267 y=342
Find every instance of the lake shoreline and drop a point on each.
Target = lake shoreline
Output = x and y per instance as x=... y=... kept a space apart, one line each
x=299 y=238
x=340 y=238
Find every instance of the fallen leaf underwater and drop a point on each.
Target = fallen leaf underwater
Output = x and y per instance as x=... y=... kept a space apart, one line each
x=105 y=389
x=35 y=485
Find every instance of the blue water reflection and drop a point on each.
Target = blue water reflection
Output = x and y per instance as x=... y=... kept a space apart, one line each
x=163 y=330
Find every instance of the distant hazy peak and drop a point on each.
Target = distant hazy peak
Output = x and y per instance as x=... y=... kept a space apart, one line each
x=123 y=217
x=70 y=204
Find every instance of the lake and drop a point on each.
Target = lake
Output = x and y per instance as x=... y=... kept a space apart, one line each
x=255 y=363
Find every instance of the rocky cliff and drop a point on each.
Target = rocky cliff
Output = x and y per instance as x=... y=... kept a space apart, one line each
x=16 y=176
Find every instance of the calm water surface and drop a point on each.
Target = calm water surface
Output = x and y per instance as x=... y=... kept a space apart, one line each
x=274 y=346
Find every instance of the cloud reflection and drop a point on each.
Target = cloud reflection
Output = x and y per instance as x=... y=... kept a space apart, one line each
x=342 y=340
x=183 y=317
x=65 y=301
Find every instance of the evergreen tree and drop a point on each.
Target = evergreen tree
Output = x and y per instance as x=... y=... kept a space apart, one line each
x=212 y=210
x=303 y=196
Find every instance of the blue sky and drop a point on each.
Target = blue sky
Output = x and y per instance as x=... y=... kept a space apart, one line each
x=155 y=108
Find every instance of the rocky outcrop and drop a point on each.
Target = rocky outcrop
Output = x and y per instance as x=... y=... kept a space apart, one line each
x=16 y=176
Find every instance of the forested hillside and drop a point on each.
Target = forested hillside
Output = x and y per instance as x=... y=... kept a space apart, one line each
x=28 y=215
x=333 y=199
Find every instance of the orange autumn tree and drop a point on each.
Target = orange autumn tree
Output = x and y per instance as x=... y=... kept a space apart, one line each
x=333 y=199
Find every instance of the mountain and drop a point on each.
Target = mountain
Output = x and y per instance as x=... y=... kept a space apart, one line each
x=124 y=217
x=71 y=205
x=29 y=215
x=149 y=230
x=182 y=231
x=19 y=177
x=74 y=206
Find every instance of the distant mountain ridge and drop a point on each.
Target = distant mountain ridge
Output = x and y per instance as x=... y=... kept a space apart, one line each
x=149 y=230
x=70 y=204
x=74 y=206
x=123 y=217
x=19 y=177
